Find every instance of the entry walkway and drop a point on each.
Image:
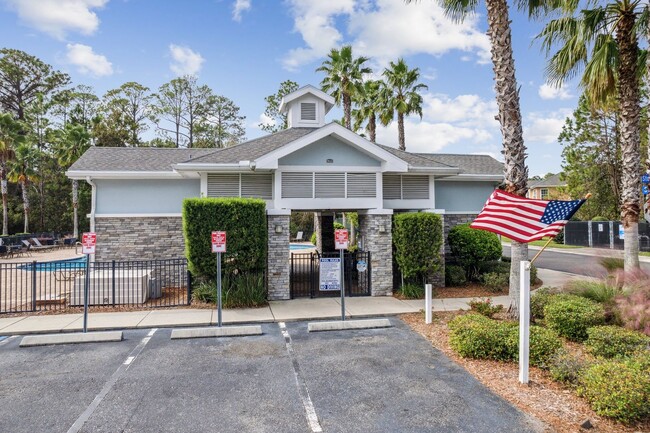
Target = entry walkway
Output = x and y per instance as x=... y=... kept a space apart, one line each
x=276 y=311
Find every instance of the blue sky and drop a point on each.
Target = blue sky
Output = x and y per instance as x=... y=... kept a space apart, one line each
x=243 y=49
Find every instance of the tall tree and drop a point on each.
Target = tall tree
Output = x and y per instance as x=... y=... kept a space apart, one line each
x=276 y=121
x=21 y=171
x=401 y=94
x=344 y=78
x=11 y=137
x=131 y=104
x=603 y=40
x=370 y=105
x=22 y=78
x=168 y=105
x=509 y=116
x=222 y=126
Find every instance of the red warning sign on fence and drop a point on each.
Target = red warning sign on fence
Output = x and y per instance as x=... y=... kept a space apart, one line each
x=88 y=242
x=218 y=242
x=341 y=240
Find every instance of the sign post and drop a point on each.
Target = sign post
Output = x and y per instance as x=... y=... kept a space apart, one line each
x=341 y=243
x=219 y=246
x=88 y=242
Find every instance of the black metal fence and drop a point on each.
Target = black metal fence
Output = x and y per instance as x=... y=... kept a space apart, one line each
x=603 y=234
x=305 y=271
x=40 y=286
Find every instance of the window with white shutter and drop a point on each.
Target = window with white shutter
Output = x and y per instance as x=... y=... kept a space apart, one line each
x=307 y=111
x=257 y=185
x=223 y=185
x=362 y=185
x=392 y=186
x=415 y=187
x=297 y=185
x=330 y=185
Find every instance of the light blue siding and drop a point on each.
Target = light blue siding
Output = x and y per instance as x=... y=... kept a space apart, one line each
x=138 y=196
x=453 y=196
x=326 y=148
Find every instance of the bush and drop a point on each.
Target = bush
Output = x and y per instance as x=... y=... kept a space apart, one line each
x=566 y=367
x=615 y=342
x=455 y=276
x=571 y=316
x=494 y=282
x=484 y=307
x=412 y=291
x=538 y=301
x=313 y=238
x=618 y=389
x=634 y=308
x=471 y=247
x=503 y=267
x=612 y=264
x=559 y=239
x=244 y=221
x=237 y=291
x=597 y=290
x=417 y=238
x=476 y=336
x=338 y=225
x=543 y=345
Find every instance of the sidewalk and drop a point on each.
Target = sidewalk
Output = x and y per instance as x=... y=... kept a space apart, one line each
x=276 y=311
x=585 y=251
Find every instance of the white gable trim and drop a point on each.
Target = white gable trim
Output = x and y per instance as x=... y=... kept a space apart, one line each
x=308 y=89
x=82 y=175
x=389 y=162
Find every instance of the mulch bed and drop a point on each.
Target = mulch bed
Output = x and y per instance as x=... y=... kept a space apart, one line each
x=549 y=401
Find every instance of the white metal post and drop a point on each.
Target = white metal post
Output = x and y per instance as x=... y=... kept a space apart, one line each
x=342 y=258
x=428 y=295
x=219 y=290
x=524 y=320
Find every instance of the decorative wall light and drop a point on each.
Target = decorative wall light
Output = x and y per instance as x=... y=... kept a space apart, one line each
x=382 y=229
x=330 y=161
x=278 y=229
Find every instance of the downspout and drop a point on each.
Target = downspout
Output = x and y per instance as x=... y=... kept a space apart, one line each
x=93 y=200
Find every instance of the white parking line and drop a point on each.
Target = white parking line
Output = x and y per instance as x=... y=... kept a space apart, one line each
x=7 y=340
x=303 y=391
x=78 y=424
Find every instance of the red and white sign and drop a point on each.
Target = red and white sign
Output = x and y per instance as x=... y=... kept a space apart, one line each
x=218 y=242
x=88 y=242
x=341 y=240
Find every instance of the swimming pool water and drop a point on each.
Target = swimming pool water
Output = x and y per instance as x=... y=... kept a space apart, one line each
x=57 y=265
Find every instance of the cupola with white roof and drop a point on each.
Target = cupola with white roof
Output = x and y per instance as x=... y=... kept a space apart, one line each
x=306 y=107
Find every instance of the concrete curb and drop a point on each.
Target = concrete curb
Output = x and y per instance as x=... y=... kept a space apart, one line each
x=228 y=331
x=348 y=324
x=71 y=338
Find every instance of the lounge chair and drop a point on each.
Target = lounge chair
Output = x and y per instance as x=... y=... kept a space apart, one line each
x=299 y=237
x=30 y=247
x=25 y=250
x=39 y=246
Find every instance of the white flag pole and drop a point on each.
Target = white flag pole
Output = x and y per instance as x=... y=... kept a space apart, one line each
x=524 y=320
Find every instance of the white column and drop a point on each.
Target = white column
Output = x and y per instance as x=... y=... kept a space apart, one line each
x=524 y=320
x=428 y=294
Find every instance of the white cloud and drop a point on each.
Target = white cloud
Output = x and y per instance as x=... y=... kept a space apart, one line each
x=239 y=7
x=547 y=91
x=185 y=61
x=57 y=17
x=382 y=29
x=87 y=61
x=545 y=128
x=263 y=119
x=464 y=110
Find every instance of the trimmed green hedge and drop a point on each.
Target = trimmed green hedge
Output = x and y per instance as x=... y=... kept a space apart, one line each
x=243 y=220
x=471 y=247
x=615 y=342
x=417 y=238
x=571 y=316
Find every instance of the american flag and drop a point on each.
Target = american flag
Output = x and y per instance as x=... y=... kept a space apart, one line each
x=523 y=219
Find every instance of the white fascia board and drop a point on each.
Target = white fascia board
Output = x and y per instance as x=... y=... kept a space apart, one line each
x=329 y=168
x=82 y=175
x=476 y=177
x=329 y=100
x=207 y=167
x=389 y=162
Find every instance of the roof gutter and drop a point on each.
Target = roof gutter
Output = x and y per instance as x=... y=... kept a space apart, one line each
x=435 y=170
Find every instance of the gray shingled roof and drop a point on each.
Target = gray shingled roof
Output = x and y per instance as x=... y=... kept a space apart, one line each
x=415 y=160
x=468 y=164
x=134 y=158
x=549 y=181
x=253 y=149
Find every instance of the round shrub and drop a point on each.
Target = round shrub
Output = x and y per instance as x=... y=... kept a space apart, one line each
x=471 y=247
x=544 y=344
x=615 y=342
x=538 y=301
x=455 y=276
x=476 y=336
x=571 y=316
x=495 y=282
x=618 y=389
x=566 y=367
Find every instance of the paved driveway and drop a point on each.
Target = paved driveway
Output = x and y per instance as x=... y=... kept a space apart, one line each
x=386 y=380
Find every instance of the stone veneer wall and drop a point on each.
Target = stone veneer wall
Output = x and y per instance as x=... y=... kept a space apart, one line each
x=380 y=246
x=139 y=238
x=278 y=266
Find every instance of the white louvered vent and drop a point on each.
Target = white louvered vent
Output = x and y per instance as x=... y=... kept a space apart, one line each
x=258 y=185
x=362 y=185
x=330 y=185
x=415 y=187
x=297 y=185
x=223 y=185
x=392 y=186
x=308 y=111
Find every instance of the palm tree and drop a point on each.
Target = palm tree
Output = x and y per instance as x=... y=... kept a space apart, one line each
x=11 y=136
x=344 y=78
x=400 y=91
x=509 y=115
x=69 y=144
x=21 y=171
x=604 y=42
x=370 y=106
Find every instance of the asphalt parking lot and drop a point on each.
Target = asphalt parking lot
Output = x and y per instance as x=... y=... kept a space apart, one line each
x=383 y=380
